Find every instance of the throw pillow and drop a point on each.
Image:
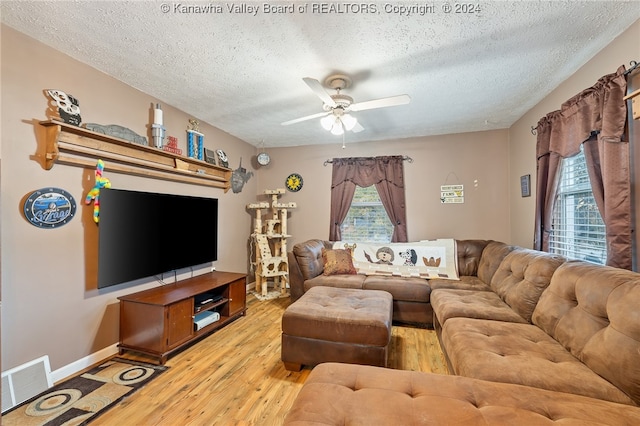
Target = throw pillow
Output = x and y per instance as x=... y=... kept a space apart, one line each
x=337 y=261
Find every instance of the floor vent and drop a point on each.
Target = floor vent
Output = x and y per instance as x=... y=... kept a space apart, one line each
x=25 y=381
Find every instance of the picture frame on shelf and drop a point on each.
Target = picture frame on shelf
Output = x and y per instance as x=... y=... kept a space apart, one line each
x=210 y=156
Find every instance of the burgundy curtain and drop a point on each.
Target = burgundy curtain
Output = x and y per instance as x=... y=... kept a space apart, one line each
x=595 y=117
x=386 y=173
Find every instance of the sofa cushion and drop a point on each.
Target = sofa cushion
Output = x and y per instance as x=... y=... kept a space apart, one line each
x=492 y=256
x=339 y=281
x=401 y=288
x=448 y=303
x=344 y=394
x=594 y=312
x=465 y=283
x=522 y=277
x=521 y=354
x=337 y=262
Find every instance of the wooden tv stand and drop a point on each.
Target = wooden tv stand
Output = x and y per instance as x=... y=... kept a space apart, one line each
x=160 y=321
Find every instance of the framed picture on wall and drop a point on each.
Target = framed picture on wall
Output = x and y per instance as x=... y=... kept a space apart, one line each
x=525 y=185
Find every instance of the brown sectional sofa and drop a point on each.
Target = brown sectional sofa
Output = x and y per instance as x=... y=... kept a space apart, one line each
x=410 y=295
x=538 y=338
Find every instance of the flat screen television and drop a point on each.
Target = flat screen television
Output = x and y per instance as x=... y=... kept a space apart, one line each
x=142 y=234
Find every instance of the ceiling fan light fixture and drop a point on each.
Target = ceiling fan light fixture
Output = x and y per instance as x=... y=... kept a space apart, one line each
x=327 y=122
x=349 y=121
x=337 y=128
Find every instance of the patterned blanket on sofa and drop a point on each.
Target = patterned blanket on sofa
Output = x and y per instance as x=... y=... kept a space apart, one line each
x=423 y=259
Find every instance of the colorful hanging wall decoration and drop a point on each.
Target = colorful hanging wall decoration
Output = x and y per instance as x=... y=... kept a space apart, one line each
x=94 y=194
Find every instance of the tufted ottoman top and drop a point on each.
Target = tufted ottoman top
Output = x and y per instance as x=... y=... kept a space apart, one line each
x=341 y=315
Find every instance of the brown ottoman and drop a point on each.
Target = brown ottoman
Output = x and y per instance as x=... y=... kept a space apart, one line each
x=338 y=325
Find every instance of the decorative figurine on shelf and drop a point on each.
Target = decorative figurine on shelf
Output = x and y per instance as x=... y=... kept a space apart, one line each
x=172 y=146
x=94 y=194
x=117 y=131
x=157 y=129
x=239 y=177
x=68 y=107
x=223 y=160
x=195 y=149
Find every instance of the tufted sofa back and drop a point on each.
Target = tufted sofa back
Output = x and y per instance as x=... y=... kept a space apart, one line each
x=492 y=256
x=469 y=253
x=594 y=312
x=522 y=277
x=309 y=257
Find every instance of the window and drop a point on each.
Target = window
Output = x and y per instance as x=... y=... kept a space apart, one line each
x=578 y=231
x=367 y=219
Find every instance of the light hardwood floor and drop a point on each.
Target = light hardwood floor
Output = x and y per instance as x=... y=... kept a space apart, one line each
x=235 y=376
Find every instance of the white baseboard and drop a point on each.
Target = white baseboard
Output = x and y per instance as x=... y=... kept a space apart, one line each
x=84 y=363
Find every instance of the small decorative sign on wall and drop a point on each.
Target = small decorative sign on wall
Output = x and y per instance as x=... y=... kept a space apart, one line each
x=49 y=208
x=452 y=194
x=525 y=185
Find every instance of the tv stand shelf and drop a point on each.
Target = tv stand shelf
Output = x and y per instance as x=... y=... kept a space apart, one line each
x=209 y=306
x=86 y=147
x=160 y=321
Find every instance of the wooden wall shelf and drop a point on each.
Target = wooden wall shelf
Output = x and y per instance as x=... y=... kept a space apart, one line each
x=73 y=145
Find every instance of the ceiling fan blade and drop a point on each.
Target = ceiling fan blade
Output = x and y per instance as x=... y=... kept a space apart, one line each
x=381 y=103
x=357 y=128
x=308 y=117
x=320 y=92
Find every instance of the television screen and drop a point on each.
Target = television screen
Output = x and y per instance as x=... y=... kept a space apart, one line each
x=142 y=234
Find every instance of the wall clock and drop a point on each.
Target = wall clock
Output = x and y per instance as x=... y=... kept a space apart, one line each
x=264 y=159
x=49 y=207
x=294 y=182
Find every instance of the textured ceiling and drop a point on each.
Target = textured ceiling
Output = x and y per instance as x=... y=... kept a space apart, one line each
x=242 y=71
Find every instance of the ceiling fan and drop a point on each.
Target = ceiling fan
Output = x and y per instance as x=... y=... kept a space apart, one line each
x=336 y=117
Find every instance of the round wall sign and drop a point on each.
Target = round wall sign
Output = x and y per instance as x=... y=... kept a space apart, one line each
x=294 y=182
x=49 y=208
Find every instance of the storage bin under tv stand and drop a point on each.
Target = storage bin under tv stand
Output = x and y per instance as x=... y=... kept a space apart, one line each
x=160 y=321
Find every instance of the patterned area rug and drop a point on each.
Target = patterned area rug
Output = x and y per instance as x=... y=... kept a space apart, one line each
x=81 y=399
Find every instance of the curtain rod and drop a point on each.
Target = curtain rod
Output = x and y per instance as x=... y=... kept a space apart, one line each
x=633 y=65
x=404 y=158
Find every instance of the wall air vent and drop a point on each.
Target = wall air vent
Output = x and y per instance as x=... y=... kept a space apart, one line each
x=25 y=381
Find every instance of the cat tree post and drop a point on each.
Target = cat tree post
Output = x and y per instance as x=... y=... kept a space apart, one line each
x=270 y=241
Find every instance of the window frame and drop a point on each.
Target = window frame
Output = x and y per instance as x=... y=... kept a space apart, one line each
x=573 y=236
x=378 y=205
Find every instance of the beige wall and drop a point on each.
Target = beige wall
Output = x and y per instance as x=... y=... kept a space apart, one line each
x=50 y=303
x=467 y=159
x=522 y=153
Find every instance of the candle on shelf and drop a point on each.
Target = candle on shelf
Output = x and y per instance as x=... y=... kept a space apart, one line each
x=157 y=115
x=157 y=129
